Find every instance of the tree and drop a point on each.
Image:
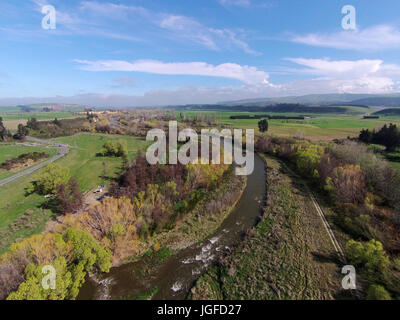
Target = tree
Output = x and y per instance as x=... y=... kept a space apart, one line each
x=366 y=136
x=369 y=257
x=32 y=289
x=3 y=131
x=347 y=184
x=388 y=136
x=71 y=253
x=32 y=124
x=307 y=159
x=116 y=149
x=69 y=196
x=57 y=122
x=377 y=292
x=22 y=132
x=52 y=176
x=263 y=125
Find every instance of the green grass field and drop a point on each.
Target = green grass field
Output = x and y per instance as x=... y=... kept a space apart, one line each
x=86 y=167
x=320 y=127
x=22 y=215
x=11 y=120
x=12 y=150
x=7 y=116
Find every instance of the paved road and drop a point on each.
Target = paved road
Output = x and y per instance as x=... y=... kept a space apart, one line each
x=62 y=151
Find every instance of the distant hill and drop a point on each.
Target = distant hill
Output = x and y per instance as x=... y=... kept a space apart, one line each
x=336 y=99
x=311 y=99
x=275 y=108
x=379 y=101
x=388 y=112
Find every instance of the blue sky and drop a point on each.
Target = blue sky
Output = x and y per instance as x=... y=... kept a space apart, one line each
x=157 y=52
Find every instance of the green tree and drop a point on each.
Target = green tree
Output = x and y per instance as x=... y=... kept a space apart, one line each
x=369 y=257
x=72 y=254
x=88 y=251
x=32 y=289
x=307 y=159
x=33 y=124
x=263 y=125
x=52 y=176
x=22 y=131
x=377 y=292
x=117 y=149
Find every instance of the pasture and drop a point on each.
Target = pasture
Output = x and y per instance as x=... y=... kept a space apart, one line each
x=321 y=127
x=23 y=214
x=13 y=150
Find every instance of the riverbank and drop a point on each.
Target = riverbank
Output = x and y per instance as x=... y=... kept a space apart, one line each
x=288 y=255
x=144 y=271
x=202 y=221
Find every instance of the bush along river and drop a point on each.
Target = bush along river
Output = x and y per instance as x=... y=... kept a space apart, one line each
x=161 y=275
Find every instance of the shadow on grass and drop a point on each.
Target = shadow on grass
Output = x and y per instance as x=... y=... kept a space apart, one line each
x=53 y=205
x=327 y=258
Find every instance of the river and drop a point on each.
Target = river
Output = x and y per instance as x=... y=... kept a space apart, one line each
x=175 y=276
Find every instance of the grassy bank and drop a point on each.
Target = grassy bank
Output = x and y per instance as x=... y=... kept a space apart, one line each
x=288 y=255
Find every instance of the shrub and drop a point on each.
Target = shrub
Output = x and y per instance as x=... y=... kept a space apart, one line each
x=307 y=159
x=115 y=149
x=369 y=257
x=347 y=184
x=377 y=292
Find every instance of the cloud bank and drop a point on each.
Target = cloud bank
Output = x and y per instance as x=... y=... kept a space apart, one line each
x=246 y=74
x=374 y=38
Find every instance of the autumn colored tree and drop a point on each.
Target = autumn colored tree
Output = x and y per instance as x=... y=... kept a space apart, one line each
x=72 y=254
x=347 y=184
x=69 y=196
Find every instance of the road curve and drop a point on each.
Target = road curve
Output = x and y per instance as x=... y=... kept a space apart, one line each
x=63 y=149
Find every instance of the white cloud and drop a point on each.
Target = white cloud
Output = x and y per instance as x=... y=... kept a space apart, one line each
x=326 y=67
x=178 y=26
x=246 y=74
x=246 y=3
x=239 y=3
x=378 y=37
x=366 y=76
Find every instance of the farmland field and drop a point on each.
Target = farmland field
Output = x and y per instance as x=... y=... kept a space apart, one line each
x=22 y=215
x=12 y=150
x=13 y=119
x=319 y=127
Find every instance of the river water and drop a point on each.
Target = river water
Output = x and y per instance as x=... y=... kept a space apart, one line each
x=176 y=275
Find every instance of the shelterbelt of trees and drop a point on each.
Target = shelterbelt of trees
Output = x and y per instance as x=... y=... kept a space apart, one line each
x=147 y=199
x=364 y=191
